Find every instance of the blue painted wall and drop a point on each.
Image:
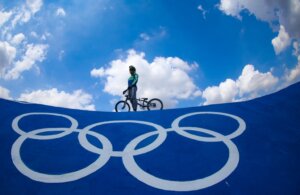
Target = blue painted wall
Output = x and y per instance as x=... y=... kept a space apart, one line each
x=239 y=148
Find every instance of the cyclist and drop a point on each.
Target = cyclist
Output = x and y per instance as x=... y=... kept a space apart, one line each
x=132 y=88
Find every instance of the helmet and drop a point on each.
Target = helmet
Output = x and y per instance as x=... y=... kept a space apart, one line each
x=131 y=67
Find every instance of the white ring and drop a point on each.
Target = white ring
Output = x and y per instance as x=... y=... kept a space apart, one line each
x=239 y=131
x=162 y=134
x=135 y=170
x=74 y=125
x=59 y=178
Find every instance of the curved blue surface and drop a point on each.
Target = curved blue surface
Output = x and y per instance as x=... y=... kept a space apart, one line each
x=248 y=147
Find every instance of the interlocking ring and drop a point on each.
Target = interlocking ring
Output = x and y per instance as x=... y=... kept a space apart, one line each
x=180 y=130
x=67 y=131
x=130 y=151
x=162 y=135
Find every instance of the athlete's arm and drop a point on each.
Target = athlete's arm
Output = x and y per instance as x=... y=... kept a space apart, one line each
x=135 y=80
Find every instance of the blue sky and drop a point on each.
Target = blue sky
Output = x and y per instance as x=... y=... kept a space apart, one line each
x=188 y=53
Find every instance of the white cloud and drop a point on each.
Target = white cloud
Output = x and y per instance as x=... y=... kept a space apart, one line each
x=225 y=92
x=145 y=37
x=34 y=53
x=14 y=56
x=34 y=5
x=282 y=41
x=293 y=75
x=286 y=13
x=34 y=34
x=259 y=8
x=4 y=17
x=24 y=12
x=18 y=38
x=253 y=83
x=202 y=10
x=4 y=93
x=250 y=84
x=77 y=99
x=7 y=55
x=164 y=78
x=152 y=36
x=22 y=15
x=289 y=16
x=231 y=8
x=98 y=72
x=60 y=12
x=296 y=47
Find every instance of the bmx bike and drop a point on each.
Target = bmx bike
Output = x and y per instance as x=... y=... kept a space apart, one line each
x=143 y=103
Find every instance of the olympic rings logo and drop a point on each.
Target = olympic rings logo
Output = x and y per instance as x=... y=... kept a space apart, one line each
x=130 y=151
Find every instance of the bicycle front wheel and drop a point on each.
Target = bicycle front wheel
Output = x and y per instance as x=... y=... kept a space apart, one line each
x=122 y=106
x=155 y=104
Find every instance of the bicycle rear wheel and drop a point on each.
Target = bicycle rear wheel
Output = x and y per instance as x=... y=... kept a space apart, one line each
x=155 y=104
x=122 y=106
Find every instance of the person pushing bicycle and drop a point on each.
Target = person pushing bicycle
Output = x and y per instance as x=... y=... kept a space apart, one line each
x=132 y=86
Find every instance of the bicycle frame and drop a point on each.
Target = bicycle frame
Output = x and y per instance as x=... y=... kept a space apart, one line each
x=142 y=105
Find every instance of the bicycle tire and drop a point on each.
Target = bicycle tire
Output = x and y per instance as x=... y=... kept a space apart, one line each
x=122 y=106
x=155 y=104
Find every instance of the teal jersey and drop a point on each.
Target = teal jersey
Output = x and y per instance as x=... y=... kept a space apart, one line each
x=133 y=79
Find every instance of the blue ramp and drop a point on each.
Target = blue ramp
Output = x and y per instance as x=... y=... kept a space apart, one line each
x=239 y=148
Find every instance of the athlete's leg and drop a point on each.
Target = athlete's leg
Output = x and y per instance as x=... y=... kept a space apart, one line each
x=132 y=95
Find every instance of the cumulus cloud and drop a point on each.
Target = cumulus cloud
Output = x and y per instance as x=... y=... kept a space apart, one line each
x=259 y=8
x=4 y=93
x=34 y=53
x=4 y=17
x=98 y=72
x=164 y=78
x=7 y=55
x=296 y=47
x=60 y=12
x=250 y=84
x=18 y=38
x=286 y=13
x=24 y=12
x=253 y=83
x=282 y=41
x=225 y=92
x=34 y=5
x=15 y=57
x=293 y=75
x=289 y=16
x=77 y=99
